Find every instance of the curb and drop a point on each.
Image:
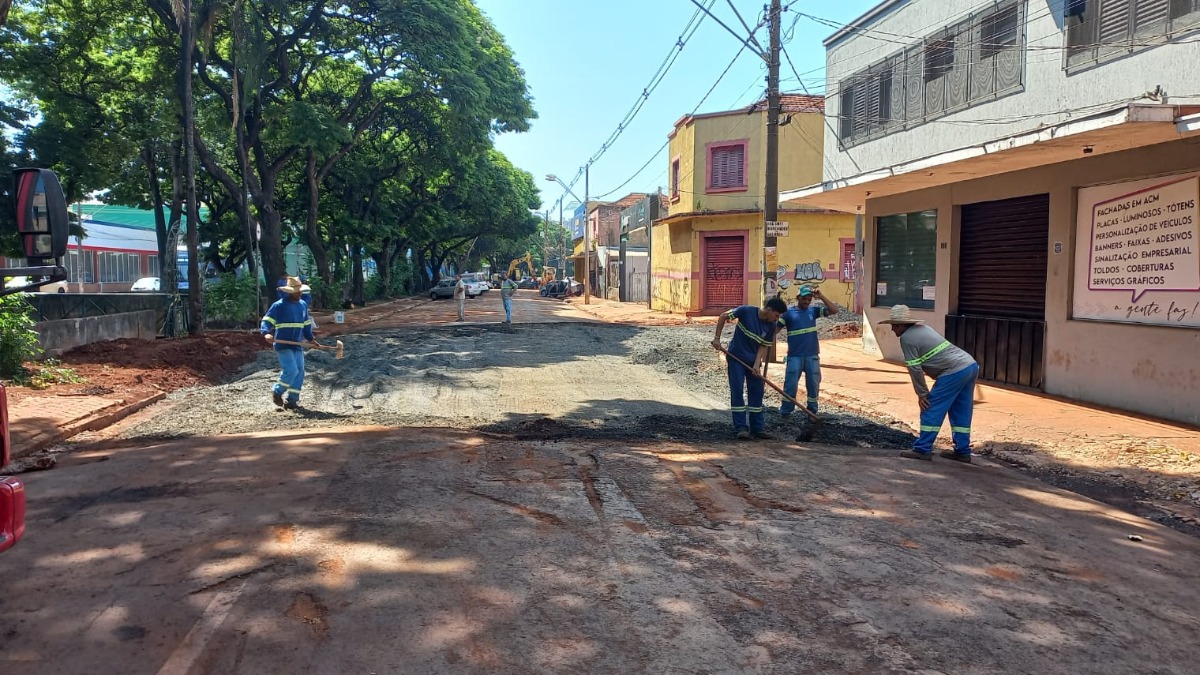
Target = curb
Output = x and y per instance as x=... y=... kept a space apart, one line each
x=104 y=418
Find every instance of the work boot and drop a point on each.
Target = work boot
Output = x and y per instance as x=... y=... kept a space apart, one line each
x=763 y=436
x=912 y=454
x=277 y=398
x=743 y=434
x=964 y=457
x=292 y=405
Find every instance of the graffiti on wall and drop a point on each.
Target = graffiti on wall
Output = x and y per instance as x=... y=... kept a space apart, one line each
x=786 y=281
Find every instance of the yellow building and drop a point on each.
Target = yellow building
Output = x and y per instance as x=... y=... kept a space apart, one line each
x=707 y=253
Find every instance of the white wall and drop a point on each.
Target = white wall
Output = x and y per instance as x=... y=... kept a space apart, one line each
x=1050 y=94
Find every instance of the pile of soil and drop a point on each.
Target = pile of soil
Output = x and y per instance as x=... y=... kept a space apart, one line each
x=131 y=368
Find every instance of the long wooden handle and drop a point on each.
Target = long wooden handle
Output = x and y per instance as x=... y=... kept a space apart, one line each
x=772 y=385
x=315 y=345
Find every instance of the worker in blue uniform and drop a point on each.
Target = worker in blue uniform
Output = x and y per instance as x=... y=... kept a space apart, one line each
x=954 y=373
x=755 y=331
x=287 y=321
x=804 y=347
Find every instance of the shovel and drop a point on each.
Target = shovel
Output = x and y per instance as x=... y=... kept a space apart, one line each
x=812 y=415
x=340 y=349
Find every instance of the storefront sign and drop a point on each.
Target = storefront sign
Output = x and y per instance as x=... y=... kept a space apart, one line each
x=577 y=221
x=1137 y=257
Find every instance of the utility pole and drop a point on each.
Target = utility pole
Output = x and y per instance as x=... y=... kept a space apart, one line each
x=771 y=198
x=587 y=238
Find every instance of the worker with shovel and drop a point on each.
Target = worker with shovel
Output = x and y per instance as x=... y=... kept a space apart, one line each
x=954 y=372
x=804 y=347
x=755 y=331
x=286 y=326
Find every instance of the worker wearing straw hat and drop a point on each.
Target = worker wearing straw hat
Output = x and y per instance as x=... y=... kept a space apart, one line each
x=954 y=373
x=287 y=320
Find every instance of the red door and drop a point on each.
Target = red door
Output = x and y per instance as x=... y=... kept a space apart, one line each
x=724 y=272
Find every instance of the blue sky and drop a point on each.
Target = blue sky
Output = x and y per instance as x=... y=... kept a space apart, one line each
x=587 y=62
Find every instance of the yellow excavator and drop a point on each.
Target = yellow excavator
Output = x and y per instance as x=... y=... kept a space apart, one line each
x=515 y=266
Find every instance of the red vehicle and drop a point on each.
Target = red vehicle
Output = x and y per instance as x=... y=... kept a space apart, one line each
x=12 y=491
x=42 y=227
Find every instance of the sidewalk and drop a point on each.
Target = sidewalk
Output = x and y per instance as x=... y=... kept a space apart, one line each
x=38 y=422
x=634 y=313
x=858 y=380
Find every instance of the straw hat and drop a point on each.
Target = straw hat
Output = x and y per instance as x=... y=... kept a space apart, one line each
x=293 y=285
x=305 y=288
x=901 y=314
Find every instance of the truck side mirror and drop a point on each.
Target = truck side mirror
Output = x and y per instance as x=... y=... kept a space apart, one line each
x=41 y=214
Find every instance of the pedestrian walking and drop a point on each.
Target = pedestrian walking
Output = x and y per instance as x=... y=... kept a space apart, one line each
x=460 y=296
x=507 y=288
x=285 y=323
x=804 y=346
x=954 y=372
x=753 y=335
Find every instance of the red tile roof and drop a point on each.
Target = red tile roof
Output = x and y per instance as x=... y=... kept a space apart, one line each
x=796 y=103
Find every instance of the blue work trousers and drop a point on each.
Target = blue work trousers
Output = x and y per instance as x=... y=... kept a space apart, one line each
x=292 y=378
x=507 y=308
x=810 y=366
x=953 y=394
x=744 y=385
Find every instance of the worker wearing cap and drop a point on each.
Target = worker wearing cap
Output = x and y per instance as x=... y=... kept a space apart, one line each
x=954 y=372
x=804 y=347
x=507 y=288
x=755 y=331
x=287 y=321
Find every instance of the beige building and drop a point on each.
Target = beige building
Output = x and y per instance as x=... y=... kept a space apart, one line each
x=1038 y=207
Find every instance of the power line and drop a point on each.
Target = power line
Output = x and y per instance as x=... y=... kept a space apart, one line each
x=660 y=74
x=665 y=145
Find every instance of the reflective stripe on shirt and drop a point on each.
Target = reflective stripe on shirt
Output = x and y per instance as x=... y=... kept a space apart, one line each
x=929 y=354
x=757 y=338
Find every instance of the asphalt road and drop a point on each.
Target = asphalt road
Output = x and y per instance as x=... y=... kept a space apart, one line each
x=544 y=545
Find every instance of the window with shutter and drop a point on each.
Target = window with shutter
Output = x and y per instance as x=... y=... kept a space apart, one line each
x=1150 y=17
x=727 y=165
x=1184 y=14
x=675 y=178
x=1114 y=21
x=846 y=111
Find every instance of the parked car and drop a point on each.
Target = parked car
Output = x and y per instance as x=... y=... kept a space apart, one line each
x=146 y=285
x=527 y=282
x=445 y=289
x=54 y=287
x=559 y=288
x=477 y=281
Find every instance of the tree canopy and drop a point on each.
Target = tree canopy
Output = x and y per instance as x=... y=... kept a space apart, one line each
x=363 y=128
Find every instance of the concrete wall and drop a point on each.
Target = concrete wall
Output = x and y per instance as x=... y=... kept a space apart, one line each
x=1149 y=369
x=1051 y=94
x=672 y=267
x=59 y=336
x=816 y=237
x=678 y=266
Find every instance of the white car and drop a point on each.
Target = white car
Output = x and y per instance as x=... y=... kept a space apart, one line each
x=54 y=287
x=146 y=285
x=477 y=283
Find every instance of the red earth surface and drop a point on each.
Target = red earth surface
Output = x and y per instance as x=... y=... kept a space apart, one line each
x=132 y=368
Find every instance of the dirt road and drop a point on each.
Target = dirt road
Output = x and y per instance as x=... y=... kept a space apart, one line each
x=561 y=498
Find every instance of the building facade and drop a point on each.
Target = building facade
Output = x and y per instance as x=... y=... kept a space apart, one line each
x=1027 y=175
x=707 y=252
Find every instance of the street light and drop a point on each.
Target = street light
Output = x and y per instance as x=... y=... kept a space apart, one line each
x=587 y=235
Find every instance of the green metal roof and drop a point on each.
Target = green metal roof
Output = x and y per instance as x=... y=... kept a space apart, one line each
x=123 y=216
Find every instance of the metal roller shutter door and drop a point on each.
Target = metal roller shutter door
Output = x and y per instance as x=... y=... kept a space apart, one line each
x=1002 y=258
x=724 y=272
